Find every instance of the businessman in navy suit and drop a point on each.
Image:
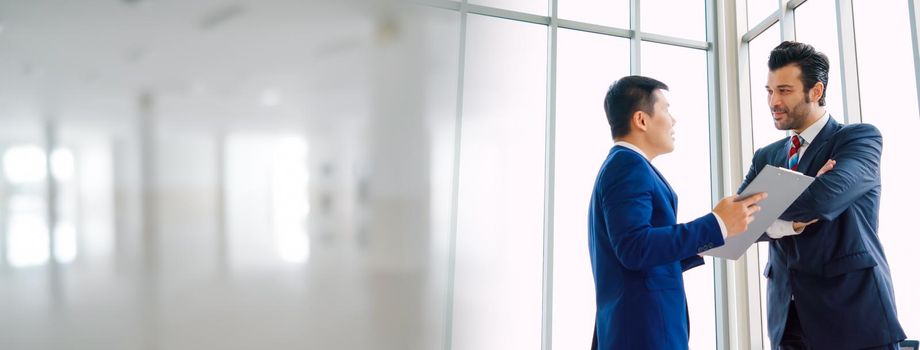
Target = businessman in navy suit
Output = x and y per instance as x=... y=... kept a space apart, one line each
x=638 y=250
x=828 y=283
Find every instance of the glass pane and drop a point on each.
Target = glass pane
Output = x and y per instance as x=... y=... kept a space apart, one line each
x=816 y=25
x=761 y=118
x=889 y=101
x=588 y=64
x=683 y=19
x=539 y=7
x=763 y=130
x=759 y=10
x=614 y=13
x=497 y=296
x=687 y=168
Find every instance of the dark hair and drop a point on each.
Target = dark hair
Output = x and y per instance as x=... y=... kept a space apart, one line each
x=625 y=97
x=814 y=64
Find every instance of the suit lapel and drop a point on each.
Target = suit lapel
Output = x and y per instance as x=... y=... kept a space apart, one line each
x=673 y=194
x=782 y=157
x=823 y=136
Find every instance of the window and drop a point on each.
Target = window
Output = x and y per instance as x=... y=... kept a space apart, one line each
x=816 y=25
x=588 y=64
x=688 y=20
x=764 y=133
x=889 y=101
x=758 y=10
x=499 y=262
x=27 y=238
x=613 y=13
x=687 y=168
x=289 y=184
x=266 y=186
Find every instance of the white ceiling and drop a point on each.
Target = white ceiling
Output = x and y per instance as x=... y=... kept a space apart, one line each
x=210 y=60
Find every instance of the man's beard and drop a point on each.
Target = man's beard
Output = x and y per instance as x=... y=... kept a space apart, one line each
x=795 y=118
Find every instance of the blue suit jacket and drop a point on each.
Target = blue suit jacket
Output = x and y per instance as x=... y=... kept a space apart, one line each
x=836 y=268
x=638 y=253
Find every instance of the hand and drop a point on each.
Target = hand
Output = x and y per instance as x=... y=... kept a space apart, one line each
x=738 y=213
x=799 y=226
x=827 y=167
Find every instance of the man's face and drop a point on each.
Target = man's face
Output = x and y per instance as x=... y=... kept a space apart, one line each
x=787 y=98
x=661 y=124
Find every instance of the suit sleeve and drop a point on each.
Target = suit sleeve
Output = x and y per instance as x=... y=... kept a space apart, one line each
x=627 y=207
x=751 y=174
x=856 y=172
x=691 y=262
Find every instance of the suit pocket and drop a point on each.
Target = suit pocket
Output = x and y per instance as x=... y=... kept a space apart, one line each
x=849 y=263
x=660 y=282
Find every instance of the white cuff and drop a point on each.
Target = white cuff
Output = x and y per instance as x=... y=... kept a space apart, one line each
x=781 y=228
x=721 y=225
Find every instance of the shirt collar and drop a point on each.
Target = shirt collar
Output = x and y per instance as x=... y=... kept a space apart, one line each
x=632 y=147
x=812 y=131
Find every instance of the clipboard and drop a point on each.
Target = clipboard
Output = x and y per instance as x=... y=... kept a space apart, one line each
x=783 y=187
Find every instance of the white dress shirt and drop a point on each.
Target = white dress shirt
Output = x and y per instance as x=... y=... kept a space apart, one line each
x=782 y=228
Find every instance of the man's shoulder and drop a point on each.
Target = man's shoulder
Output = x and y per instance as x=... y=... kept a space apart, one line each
x=624 y=164
x=622 y=157
x=858 y=130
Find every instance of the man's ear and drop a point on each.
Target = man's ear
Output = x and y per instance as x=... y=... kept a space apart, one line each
x=816 y=91
x=640 y=120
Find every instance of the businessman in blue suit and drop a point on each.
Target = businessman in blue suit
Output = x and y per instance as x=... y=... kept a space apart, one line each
x=638 y=250
x=828 y=283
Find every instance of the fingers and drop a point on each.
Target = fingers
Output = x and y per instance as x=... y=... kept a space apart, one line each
x=749 y=212
x=754 y=199
x=804 y=223
x=827 y=167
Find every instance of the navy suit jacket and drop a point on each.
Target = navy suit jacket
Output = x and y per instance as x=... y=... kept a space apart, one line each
x=638 y=252
x=836 y=269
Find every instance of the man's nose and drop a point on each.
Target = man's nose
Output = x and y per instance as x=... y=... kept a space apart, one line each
x=773 y=100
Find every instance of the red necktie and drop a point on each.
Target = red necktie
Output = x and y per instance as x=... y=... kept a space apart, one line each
x=794 y=153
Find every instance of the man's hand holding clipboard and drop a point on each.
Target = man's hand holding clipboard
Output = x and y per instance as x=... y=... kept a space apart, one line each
x=784 y=187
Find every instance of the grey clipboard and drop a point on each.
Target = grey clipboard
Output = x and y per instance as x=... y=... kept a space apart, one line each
x=783 y=186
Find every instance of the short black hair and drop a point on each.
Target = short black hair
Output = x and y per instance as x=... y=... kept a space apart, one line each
x=626 y=96
x=814 y=64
